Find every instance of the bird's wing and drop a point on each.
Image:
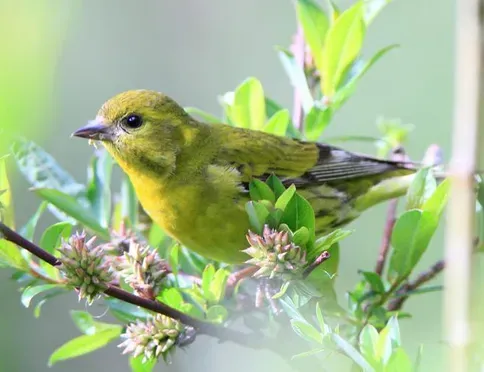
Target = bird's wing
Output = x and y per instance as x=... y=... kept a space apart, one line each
x=257 y=155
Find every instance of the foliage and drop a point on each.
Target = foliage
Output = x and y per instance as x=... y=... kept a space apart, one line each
x=297 y=270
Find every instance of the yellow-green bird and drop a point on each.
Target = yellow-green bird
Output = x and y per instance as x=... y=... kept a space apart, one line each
x=192 y=177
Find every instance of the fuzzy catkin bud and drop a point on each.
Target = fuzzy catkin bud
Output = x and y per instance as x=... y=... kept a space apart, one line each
x=155 y=337
x=85 y=267
x=144 y=270
x=275 y=254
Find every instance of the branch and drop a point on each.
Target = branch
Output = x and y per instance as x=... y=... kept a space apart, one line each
x=404 y=292
x=222 y=333
x=318 y=261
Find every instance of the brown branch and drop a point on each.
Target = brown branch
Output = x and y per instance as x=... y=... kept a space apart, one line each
x=222 y=333
x=318 y=261
x=387 y=233
x=404 y=292
x=236 y=277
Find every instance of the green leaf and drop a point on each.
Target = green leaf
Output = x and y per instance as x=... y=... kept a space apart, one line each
x=297 y=77
x=50 y=240
x=410 y=239
x=394 y=331
x=282 y=290
x=368 y=340
x=172 y=297
x=276 y=185
x=30 y=292
x=248 y=108
x=84 y=344
x=301 y=292
x=205 y=116
x=43 y=172
x=422 y=186
x=351 y=352
x=29 y=229
x=156 y=235
x=309 y=353
x=138 y=365
x=299 y=213
x=258 y=190
x=10 y=255
x=349 y=88
x=383 y=346
x=436 y=203
x=129 y=202
x=217 y=285
x=278 y=123
x=126 y=312
x=306 y=331
x=374 y=280
x=52 y=236
x=399 y=362
x=258 y=213
x=343 y=43
x=325 y=242
x=322 y=324
x=285 y=197
x=71 y=207
x=207 y=278
x=372 y=8
x=316 y=122
x=174 y=258
x=315 y=24
x=99 y=186
x=87 y=325
x=217 y=314
x=301 y=236
x=272 y=108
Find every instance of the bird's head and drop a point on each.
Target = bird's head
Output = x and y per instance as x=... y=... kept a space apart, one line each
x=142 y=129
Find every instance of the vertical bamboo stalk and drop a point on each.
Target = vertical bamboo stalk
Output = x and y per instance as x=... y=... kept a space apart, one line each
x=461 y=208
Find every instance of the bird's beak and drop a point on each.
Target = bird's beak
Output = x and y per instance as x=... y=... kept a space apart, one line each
x=95 y=130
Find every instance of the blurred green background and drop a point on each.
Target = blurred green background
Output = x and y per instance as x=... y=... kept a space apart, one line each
x=62 y=59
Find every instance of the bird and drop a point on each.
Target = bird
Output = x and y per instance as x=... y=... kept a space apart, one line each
x=192 y=178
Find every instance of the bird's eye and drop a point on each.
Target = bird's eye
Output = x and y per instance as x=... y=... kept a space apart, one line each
x=133 y=121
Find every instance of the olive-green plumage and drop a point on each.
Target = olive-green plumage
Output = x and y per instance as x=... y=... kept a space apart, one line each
x=192 y=178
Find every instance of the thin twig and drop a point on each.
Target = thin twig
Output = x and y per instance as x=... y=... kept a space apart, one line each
x=223 y=334
x=398 y=154
x=236 y=277
x=318 y=261
x=424 y=277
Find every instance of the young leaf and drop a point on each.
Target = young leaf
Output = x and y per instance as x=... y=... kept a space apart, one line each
x=372 y=8
x=315 y=24
x=278 y=123
x=351 y=352
x=367 y=341
x=87 y=325
x=276 y=185
x=156 y=235
x=42 y=171
x=217 y=314
x=71 y=207
x=30 y=292
x=84 y=344
x=325 y=242
x=258 y=213
x=297 y=77
x=349 y=88
x=410 y=239
x=272 y=108
x=435 y=204
x=217 y=285
x=138 y=364
x=126 y=312
x=172 y=297
x=383 y=346
x=299 y=213
x=52 y=236
x=399 y=362
x=129 y=202
x=207 y=279
x=374 y=280
x=316 y=122
x=301 y=236
x=394 y=331
x=9 y=253
x=258 y=190
x=343 y=43
x=422 y=186
x=29 y=229
x=99 y=186
x=248 y=108
x=306 y=331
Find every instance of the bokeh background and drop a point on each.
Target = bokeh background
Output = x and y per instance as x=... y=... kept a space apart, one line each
x=62 y=59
